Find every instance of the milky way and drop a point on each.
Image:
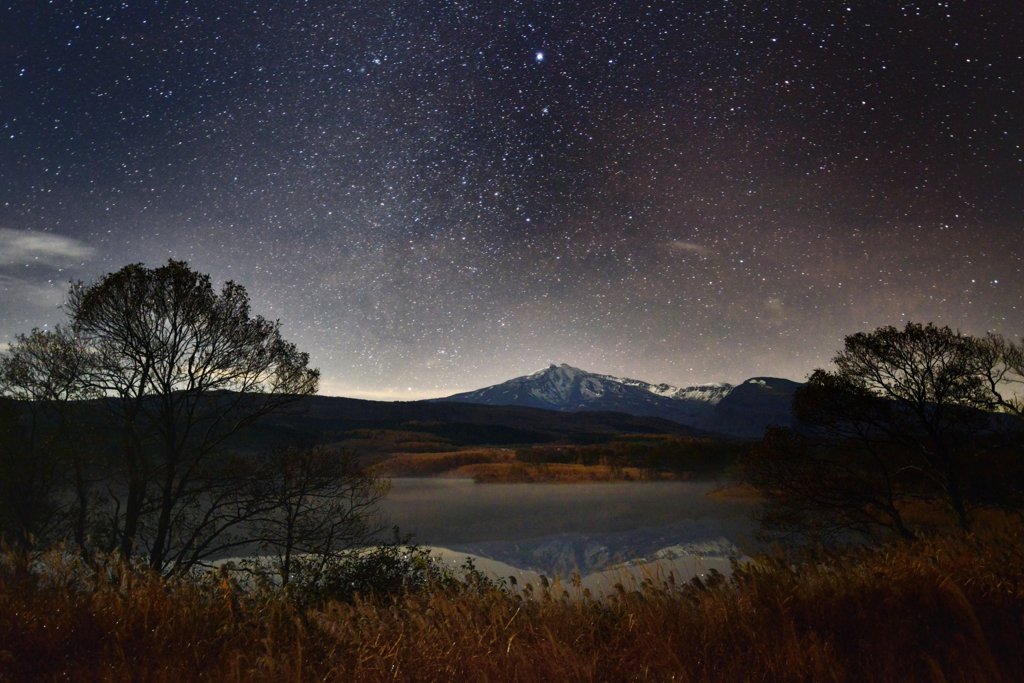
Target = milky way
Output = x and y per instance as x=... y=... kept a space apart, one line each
x=435 y=196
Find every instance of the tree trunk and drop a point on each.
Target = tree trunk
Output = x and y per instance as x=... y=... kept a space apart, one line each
x=163 y=527
x=82 y=512
x=133 y=506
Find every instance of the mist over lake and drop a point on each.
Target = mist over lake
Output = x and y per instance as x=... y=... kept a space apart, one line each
x=557 y=528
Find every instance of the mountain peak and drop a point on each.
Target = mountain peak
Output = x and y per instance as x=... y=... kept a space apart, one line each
x=563 y=368
x=566 y=388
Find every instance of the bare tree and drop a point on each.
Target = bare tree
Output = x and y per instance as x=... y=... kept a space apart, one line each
x=319 y=504
x=1000 y=364
x=908 y=415
x=828 y=491
x=932 y=403
x=45 y=444
x=182 y=370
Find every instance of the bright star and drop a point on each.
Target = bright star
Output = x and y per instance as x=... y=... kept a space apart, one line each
x=539 y=56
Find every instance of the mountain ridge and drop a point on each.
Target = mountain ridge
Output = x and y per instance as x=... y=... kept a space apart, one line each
x=742 y=410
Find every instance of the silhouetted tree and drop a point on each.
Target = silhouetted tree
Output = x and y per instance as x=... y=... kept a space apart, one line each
x=916 y=414
x=319 y=503
x=182 y=369
x=824 y=492
x=45 y=446
x=1000 y=364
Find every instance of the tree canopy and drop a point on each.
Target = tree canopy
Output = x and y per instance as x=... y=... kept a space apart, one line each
x=171 y=370
x=919 y=415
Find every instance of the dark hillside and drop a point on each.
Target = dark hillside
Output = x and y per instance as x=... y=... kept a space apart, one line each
x=752 y=406
x=462 y=424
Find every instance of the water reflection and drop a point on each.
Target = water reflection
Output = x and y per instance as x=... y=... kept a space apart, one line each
x=558 y=528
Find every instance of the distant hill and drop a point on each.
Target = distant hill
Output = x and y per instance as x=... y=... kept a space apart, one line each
x=752 y=406
x=327 y=418
x=742 y=411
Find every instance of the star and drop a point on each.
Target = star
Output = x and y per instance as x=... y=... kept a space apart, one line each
x=721 y=204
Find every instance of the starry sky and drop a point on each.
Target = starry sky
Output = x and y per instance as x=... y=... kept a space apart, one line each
x=435 y=196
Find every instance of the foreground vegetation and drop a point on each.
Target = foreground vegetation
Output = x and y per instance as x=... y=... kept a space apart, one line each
x=122 y=441
x=940 y=609
x=911 y=419
x=624 y=457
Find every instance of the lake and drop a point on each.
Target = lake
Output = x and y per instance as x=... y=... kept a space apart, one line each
x=525 y=530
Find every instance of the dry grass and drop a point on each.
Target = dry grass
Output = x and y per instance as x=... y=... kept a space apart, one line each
x=503 y=466
x=431 y=464
x=376 y=444
x=550 y=473
x=737 y=492
x=626 y=457
x=939 y=610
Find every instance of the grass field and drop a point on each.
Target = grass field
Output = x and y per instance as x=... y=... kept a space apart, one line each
x=553 y=473
x=433 y=464
x=627 y=457
x=946 y=609
x=500 y=466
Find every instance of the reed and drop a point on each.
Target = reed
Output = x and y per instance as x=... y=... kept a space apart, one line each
x=431 y=464
x=941 y=609
x=552 y=473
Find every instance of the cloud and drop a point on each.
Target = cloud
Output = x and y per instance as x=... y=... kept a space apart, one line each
x=48 y=295
x=20 y=247
x=689 y=248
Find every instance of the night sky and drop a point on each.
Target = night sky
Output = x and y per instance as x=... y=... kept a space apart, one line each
x=437 y=196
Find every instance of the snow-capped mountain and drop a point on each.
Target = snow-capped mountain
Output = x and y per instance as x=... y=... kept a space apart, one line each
x=707 y=406
x=708 y=393
x=565 y=388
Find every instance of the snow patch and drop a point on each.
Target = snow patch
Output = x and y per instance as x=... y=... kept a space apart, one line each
x=556 y=384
